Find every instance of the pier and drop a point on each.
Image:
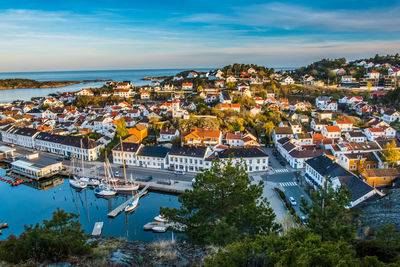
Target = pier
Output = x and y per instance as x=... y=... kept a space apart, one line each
x=175 y=187
x=114 y=213
x=98 y=227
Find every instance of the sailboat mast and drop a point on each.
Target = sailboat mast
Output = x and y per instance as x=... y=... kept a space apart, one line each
x=123 y=160
x=83 y=170
x=106 y=167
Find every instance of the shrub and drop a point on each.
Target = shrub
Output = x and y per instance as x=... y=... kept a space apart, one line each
x=54 y=240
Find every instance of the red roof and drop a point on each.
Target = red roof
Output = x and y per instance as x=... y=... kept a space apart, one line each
x=333 y=129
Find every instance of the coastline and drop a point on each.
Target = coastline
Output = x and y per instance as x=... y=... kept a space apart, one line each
x=52 y=84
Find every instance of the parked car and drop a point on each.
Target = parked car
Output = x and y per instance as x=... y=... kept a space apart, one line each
x=179 y=172
x=292 y=201
x=282 y=163
x=60 y=159
x=116 y=173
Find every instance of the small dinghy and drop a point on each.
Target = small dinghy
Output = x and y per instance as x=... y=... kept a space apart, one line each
x=160 y=218
x=159 y=229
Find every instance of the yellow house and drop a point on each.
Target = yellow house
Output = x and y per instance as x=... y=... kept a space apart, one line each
x=357 y=162
x=137 y=134
x=380 y=177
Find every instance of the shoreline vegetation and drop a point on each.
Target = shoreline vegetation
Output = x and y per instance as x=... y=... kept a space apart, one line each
x=146 y=78
x=7 y=84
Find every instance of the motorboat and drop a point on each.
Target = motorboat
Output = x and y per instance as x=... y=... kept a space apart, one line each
x=3 y=225
x=104 y=192
x=133 y=205
x=90 y=181
x=160 y=218
x=77 y=184
x=159 y=229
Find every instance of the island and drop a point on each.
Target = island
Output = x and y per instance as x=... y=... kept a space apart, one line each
x=27 y=83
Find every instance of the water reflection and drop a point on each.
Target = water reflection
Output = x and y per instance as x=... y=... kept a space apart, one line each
x=31 y=203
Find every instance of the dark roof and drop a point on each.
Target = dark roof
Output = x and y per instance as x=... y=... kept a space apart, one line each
x=127 y=147
x=225 y=95
x=153 y=151
x=242 y=152
x=283 y=130
x=356 y=134
x=383 y=141
x=79 y=141
x=190 y=151
x=54 y=138
x=34 y=110
x=26 y=131
x=311 y=153
x=330 y=169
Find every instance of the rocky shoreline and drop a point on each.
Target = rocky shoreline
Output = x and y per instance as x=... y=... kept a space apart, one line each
x=120 y=252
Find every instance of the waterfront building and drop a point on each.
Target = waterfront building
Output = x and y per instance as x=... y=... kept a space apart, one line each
x=35 y=167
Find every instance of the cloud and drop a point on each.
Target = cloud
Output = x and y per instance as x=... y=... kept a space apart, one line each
x=296 y=17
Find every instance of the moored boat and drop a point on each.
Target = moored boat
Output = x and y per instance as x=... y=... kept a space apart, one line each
x=77 y=184
x=160 y=218
x=159 y=229
x=104 y=191
x=3 y=225
x=90 y=181
x=133 y=205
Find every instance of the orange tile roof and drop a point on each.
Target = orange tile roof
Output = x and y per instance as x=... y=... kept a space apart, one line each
x=332 y=129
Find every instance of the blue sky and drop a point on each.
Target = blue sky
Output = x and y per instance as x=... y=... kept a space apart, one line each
x=83 y=35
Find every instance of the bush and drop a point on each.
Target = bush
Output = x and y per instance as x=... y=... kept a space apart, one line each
x=52 y=241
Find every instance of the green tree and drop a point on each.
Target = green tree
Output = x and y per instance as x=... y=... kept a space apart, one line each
x=223 y=206
x=327 y=214
x=122 y=131
x=299 y=247
x=269 y=127
x=54 y=240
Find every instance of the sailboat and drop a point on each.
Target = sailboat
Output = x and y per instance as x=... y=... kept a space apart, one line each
x=105 y=189
x=87 y=180
x=126 y=186
x=131 y=206
x=76 y=183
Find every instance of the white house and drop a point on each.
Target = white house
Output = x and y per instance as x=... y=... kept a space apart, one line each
x=331 y=132
x=287 y=80
x=322 y=169
x=166 y=135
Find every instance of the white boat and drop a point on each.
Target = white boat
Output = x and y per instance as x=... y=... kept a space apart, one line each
x=90 y=181
x=160 y=218
x=104 y=192
x=77 y=184
x=131 y=206
x=126 y=187
x=159 y=229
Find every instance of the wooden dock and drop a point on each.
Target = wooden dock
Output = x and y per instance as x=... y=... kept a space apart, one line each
x=98 y=227
x=114 y=213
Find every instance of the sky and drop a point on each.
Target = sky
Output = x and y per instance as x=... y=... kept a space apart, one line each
x=43 y=35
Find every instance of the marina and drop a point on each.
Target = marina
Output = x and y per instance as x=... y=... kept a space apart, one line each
x=122 y=207
x=35 y=201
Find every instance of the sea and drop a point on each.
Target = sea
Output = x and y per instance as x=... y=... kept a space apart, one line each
x=29 y=204
x=135 y=76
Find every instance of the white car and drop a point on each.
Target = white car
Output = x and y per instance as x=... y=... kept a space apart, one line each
x=292 y=201
x=116 y=173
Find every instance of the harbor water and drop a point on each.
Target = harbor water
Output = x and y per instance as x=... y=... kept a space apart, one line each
x=30 y=204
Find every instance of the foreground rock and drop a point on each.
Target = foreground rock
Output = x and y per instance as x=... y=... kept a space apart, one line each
x=119 y=252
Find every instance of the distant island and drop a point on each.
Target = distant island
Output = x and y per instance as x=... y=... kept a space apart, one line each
x=27 y=83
